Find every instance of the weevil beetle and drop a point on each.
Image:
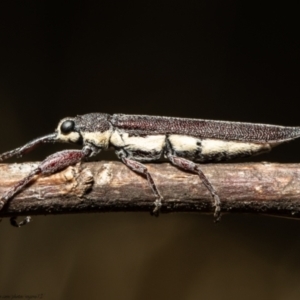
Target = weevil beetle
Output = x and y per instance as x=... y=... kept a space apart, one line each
x=141 y=138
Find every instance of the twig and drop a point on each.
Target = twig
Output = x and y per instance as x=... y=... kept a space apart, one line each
x=110 y=186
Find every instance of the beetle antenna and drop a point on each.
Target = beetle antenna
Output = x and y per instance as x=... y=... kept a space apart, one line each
x=50 y=138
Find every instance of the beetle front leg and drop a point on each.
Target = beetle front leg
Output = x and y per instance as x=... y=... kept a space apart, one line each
x=50 y=165
x=141 y=169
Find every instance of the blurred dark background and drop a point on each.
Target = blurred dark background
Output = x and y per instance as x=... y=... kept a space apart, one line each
x=228 y=60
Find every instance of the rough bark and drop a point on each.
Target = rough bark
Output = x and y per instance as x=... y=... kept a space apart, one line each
x=110 y=186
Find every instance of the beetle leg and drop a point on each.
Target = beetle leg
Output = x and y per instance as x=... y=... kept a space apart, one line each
x=13 y=221
x=50 y=165
x=141 y=169
x=190 y=166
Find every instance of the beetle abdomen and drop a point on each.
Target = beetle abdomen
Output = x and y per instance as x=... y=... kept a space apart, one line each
x=206 y=150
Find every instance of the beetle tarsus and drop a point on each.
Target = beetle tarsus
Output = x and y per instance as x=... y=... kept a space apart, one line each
x=15 y=223
x=217 y=213
x=157 y=207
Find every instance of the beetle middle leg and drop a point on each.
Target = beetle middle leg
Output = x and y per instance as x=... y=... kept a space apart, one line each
x=190 y=166
x=141 y=169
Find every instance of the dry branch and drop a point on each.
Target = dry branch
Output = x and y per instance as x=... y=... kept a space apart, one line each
x=110 y=186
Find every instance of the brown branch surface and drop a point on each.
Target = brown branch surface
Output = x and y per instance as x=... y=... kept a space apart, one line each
x=110 y=186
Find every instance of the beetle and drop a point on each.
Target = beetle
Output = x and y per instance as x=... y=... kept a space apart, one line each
x=142 y=138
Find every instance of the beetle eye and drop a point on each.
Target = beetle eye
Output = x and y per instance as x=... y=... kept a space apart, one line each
x=67 y=126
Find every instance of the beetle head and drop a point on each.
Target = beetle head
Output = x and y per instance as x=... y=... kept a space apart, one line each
x=93 y=128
